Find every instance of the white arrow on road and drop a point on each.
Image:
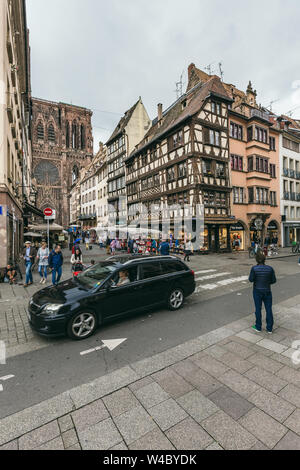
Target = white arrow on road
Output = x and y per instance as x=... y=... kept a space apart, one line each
x=111 y=344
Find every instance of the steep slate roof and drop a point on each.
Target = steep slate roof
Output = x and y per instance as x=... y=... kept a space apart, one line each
x=176 y=114
x=123 y=122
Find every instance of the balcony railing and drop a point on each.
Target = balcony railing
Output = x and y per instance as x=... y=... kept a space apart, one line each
x=259 y=114
x=297 y=175
x=285 y=172
x=298 y=197
x=286 y=195
x=291 y=173
x=292 y=196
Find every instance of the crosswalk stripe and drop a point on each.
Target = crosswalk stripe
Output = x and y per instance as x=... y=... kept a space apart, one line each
x=206 y=271
x=224 y=282
x=212 y=276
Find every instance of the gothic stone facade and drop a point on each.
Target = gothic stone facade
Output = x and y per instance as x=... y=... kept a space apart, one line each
x=62 y=144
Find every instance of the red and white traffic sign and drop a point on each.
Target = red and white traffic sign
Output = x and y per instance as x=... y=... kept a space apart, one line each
x=48 y=212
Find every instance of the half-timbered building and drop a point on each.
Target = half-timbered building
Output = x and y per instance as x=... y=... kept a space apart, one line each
x=184 y=159
x=130 y=130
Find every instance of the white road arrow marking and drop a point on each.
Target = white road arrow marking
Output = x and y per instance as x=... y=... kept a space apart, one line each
x=6 y=377
x=111 y=344
x=1 y=388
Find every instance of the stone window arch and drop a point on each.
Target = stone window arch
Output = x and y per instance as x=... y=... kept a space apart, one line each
x=75 y=173
x=82 y=136
x=51 y=133
x=74 y=135
x=40 y=131
x=67 y=134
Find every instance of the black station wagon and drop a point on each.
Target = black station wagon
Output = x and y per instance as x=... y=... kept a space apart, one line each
x=108 y=290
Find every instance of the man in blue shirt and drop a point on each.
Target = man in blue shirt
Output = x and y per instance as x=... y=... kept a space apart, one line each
x=55 y=262
x=164 y=248
x=262 y=277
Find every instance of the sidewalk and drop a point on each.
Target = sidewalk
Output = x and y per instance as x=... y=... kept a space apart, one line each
x=231 y=388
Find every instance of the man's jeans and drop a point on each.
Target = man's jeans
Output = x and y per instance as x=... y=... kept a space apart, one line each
x=266 y=298
x=28 y=279
x=56 y=270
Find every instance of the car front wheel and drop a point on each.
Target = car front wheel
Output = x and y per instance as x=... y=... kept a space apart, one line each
x=82 y=325
x=175 y=299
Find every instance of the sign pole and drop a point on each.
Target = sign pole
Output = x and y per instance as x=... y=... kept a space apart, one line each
x=48 y=222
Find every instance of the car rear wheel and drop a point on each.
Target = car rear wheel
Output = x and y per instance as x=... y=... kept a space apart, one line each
x=175 y=299
x=82 y=325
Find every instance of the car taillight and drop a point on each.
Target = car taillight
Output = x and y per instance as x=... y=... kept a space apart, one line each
x=192 y=272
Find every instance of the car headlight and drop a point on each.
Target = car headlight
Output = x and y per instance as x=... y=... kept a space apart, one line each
x=51 y=309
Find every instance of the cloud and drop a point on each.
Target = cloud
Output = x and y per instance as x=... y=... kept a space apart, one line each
x=104 y=55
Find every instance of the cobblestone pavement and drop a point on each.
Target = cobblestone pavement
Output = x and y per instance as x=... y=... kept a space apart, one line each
x=231 y=388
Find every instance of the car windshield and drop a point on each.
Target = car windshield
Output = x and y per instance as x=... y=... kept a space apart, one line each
x=95 y=275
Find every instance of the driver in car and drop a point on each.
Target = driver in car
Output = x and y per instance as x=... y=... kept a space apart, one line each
x=123 y=279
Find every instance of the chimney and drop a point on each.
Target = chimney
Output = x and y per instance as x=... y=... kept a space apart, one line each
x=159 y=111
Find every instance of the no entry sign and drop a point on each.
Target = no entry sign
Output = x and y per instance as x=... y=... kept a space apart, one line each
x=48 y=212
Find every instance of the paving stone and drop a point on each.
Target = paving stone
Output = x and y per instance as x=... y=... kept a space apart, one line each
x=266 y=363
x=167 y=414
x=239 y=349
x=140 y=383
x=272 y=404
x=189 y=435
x=65 y=423
x=55 y=444
x=228 y=433
x=272 y=345
x=205 y=383
x=230 y=402
x=214 y=446
x=121 y=446
x=250 y=337
x=239 y=383
x=197 y=405
x=69 y=438
x=13 y=445
x=151 y=395
x=172 y=383
x=211 y=365
x=134 y=424
x=154 y=440
x=100 y=436
x=293 y=421
x=290 y=441
x=89 y=415
x=34 y=417
x=290 y=375
x=266 y=379
x=74 y=447
x=291 y=393
x=119 y=402
x=39 y=436
x=215 y=351
x=259 y=446
x=234 y=362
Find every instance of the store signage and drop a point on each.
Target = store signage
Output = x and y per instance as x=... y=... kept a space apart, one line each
x=237 y=227
x=272 y=226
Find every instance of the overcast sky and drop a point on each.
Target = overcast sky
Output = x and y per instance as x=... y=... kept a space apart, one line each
x=104 y=54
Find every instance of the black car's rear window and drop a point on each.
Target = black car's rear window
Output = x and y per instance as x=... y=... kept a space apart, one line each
x=151 y=270
x=95 y=275
x=168 y=267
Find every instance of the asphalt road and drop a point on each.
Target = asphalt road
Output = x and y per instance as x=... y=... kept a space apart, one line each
x=42 y=374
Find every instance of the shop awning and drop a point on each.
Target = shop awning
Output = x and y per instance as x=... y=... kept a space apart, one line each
x=32 y=209
x=44 y=227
